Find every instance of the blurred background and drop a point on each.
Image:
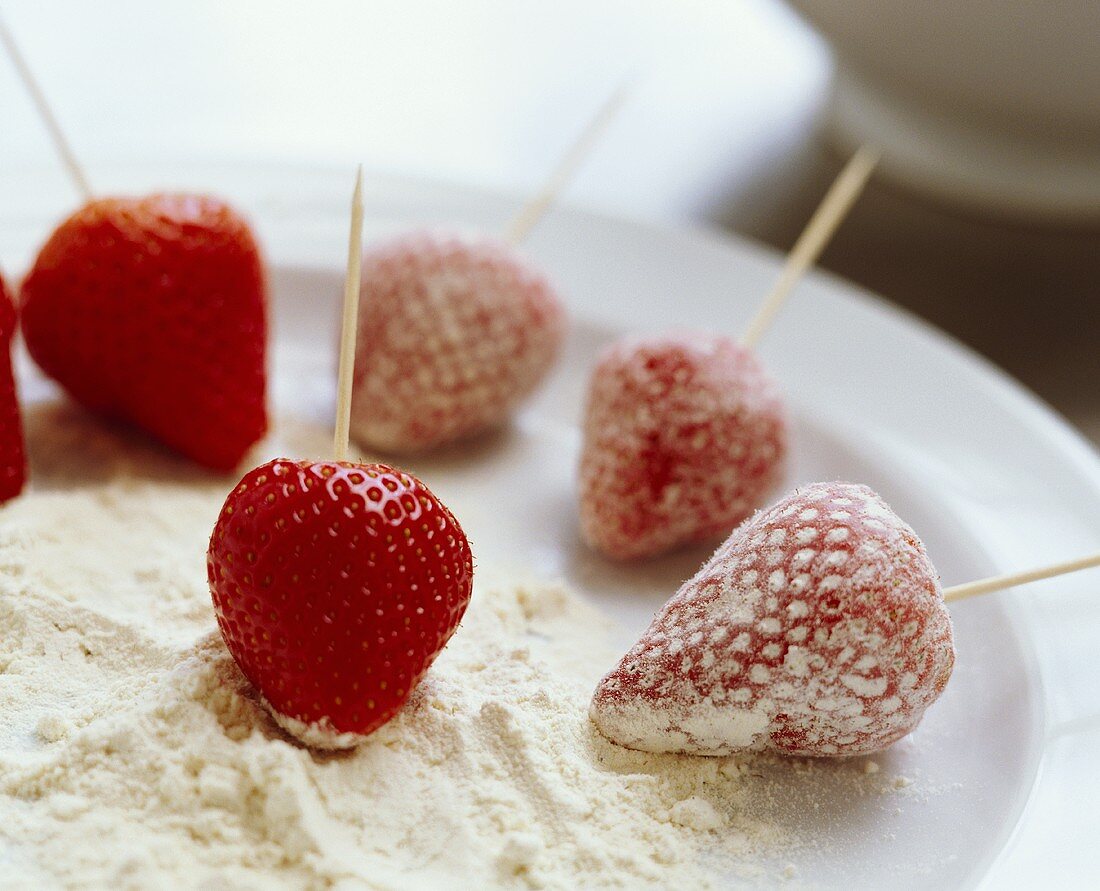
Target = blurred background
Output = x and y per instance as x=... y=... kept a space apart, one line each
x=984 y=217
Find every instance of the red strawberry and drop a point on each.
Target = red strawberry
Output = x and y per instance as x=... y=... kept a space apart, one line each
x=13 y=460
x=818 y=628
x=151 y=311
x=684 y=436
x=453 y=334
x=336 y=585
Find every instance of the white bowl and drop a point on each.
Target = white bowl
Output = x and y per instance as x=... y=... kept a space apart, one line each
x=989 y=102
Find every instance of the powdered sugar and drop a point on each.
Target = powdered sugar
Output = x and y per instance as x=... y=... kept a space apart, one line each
x=318 y=735
x=134 y=754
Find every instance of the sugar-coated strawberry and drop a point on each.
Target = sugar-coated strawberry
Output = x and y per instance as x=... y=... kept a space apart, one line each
x=152 y=311
x=13 y=459
x=685 y=435
x=454 y=333
x=817 y=629
x=335 y=586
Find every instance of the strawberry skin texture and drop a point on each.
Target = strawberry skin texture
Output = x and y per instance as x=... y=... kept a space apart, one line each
x=336 y=585
x=151 y=311
x=454 y=333
x=13 y=460
x=818 y=629
x=685 y=435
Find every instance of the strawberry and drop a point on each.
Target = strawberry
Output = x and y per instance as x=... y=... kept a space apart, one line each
x=453 y=334
x=151 y=311
x=818 y=628
x=684 y=436
x=13 y=460
x=335 y=586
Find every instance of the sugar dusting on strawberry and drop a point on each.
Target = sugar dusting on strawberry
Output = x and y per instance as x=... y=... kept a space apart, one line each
x=817 y=629
x=152 y=311
x=684 y=436
x=336 y=585
x=454 y=333
x=13 y=459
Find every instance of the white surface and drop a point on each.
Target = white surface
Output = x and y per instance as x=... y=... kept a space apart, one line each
x=989 y=478
x=481 y=91
x=969 y=104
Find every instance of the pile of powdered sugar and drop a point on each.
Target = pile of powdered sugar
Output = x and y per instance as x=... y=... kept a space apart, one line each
x=133 y=753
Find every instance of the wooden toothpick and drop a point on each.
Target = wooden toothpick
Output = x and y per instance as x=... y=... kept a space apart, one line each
x=825 y=221
x=349 y=329
x=46 y=113
x=567 y=167
x=999 y=582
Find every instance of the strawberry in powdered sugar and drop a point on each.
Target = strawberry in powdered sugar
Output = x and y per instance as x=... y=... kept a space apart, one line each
x=817 y=629
x=335 y=586
x=454 y=333
x=685 y=435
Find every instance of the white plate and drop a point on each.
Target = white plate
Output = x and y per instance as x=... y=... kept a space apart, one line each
x=991 y=479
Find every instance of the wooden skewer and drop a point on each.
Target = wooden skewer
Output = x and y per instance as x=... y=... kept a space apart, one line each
x=46 y=113
x=825 y=221
x=350 y=326
x=567 y=167
x=999 y=582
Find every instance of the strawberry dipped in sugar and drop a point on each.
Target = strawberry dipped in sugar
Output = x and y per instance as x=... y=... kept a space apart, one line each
x=817 y=629
x=152 y=311
x=335 y=586
x=684 y=436
x=454 y=333
x=13 y=459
